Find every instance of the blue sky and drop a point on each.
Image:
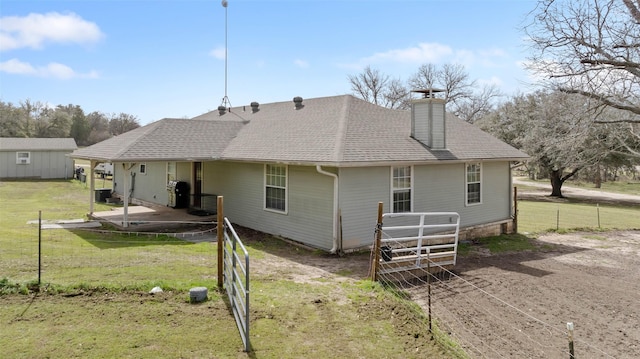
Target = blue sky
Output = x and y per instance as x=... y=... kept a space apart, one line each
x=162 y=58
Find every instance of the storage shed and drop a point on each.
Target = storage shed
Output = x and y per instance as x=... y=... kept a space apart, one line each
x=44 y=158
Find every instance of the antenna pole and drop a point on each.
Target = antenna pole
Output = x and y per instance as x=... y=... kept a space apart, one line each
x=225 y=99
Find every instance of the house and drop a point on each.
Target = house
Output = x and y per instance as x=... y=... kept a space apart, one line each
x=44 y=158
x=314 y=170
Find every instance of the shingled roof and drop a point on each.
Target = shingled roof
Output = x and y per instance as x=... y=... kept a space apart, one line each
x=37 y=144
x=337 y=130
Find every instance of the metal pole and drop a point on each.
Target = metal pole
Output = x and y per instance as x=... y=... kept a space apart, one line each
x=429 y=287
x=515 y=209
x=39 y=246
x=220 y=240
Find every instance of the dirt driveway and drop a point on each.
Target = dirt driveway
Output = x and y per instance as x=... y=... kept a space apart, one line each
x=518 y=305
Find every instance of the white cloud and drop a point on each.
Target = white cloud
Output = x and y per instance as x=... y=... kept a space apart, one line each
x=424 y=52
x=34 y=30
x=52 y=70
x=301 y=63
x=218 y=53
x=434 y=53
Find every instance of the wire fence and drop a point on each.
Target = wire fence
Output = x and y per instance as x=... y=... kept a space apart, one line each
x=543 y=216
x=94 y=257
x=481 y=324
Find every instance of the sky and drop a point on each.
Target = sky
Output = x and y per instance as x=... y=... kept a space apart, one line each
x=157 y=59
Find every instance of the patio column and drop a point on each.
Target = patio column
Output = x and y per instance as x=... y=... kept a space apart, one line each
x=92 y=185
x=127 y=177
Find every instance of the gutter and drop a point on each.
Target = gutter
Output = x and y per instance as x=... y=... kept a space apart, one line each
x=335 y=206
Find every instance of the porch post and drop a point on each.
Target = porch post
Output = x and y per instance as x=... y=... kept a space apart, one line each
x=125 y=193
x=92 y=185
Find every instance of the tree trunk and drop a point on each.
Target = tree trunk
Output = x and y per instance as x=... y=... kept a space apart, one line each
x=556 y=183
x=598 y=179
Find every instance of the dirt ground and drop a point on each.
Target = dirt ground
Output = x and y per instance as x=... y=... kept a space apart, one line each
x=518 y=304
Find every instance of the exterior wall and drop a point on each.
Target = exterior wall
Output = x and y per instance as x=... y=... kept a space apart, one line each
x=43 y=164
x=436 y=188
x=309 y=219
x=360 y=191
x=150 y=186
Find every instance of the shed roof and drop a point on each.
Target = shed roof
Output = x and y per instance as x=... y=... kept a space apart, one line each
x=337 y=130
x=37 y=144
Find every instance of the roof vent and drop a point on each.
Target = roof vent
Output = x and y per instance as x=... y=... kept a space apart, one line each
x=222 y=110
x=254 y=107
x=298 y=101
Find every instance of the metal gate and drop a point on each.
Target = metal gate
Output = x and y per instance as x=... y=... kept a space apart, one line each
x=236 y=280
x=414 y=244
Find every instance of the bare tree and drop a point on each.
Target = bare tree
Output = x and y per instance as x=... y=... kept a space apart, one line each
x=119 y=124
x=462 y=96
x=591 y=48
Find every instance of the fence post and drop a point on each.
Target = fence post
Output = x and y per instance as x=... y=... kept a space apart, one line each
x=220 y=239
x=376 y=245
x=572 y=354
x=39 y=246
x=515 y=209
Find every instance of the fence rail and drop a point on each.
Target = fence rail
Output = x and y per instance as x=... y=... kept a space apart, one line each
x=236 y=280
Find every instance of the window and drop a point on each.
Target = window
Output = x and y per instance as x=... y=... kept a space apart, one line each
x=23 y=158
x=143 y=169
x=171 y=171
x=275 y=179
x=401 y=191
x=474 y=183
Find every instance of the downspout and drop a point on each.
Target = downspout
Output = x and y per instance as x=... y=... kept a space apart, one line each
x=335 y=206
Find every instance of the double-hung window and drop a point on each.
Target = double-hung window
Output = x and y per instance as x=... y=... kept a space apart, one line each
x=275 y=189
x=474 y=183
x=401 y=189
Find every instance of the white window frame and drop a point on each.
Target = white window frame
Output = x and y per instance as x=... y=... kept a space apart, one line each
x=142 y=169
x=285 y=188
x=19 y=159
x=171 y=171
x=395 y=188
x=477 y=181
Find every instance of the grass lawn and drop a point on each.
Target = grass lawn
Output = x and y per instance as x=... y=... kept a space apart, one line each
x=94 y=301
x=536 y=217
x=625 y=187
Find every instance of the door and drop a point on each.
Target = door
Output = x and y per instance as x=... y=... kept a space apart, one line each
x=197 y=184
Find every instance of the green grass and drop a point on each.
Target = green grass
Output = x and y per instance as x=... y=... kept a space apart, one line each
x=506 y=243
x=622 y=186
x=535 y=217
x=94 y=299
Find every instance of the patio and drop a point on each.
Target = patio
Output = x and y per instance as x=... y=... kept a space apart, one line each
x=154 y=218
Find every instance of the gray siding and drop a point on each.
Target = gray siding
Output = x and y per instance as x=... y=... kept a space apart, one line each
x=152 y=185
x=360 y=191
x=310 y=201
x=43 y=164
x=436 y=188
x=442 y=188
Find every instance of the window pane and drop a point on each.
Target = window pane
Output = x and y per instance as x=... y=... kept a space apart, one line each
x=473 y=193
x=275 y=198
x=401 y=201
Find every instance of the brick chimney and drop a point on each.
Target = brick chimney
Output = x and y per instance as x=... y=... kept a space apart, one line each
x=428 y=119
